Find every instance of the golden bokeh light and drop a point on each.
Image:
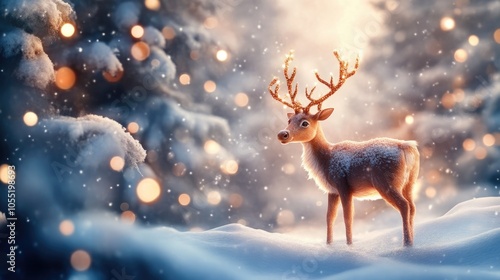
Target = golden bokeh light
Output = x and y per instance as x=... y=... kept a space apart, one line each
x=67 y=30
x=448 y=100
x=65 y=78
x=469 y=144
x=447 y=23
x=214 y=197
x=209 y=86
x=194 y=55
x=140 y=51
x=480 y=153
x=473 y=40
x=496 y=36
x=4 y=173
x=236 y=200
x=409 y=119
x=137 y=31
x=168 y=32
x=211 y=147
x=460 y=55
x=66 y=227
x=133 y=127
x=241 y=99
x=80 y=260
x=117 y=163
x=148 y=190
x=229 y=167
x=489 y=140
x=153 y=5
x=184 y=199
x=30 y=118
x=185 y=79
x=430 y=192
x=112 y=78
x=128 y=217
x=222 y=55
x=210 y=22
x=285 y=218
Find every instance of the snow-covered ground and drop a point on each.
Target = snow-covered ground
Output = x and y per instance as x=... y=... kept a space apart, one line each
x=462 y=244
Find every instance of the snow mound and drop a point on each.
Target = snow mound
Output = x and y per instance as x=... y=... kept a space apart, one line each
x=464 y=244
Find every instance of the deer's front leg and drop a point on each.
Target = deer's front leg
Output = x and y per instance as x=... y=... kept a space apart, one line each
x=333 y=205
x=348 y=209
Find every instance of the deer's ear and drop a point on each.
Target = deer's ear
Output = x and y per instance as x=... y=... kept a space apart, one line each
x=290 y=115
x=324 y=114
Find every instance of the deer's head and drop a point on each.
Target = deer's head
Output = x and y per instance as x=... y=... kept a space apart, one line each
x=302 y=125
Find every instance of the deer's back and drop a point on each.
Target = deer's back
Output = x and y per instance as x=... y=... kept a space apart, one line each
x=358 y=164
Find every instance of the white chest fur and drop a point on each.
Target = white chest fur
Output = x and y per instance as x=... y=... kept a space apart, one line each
x=315 y=169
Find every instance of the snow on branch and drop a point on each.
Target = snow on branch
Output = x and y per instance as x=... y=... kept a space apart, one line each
x=38 y=16
x=99 y=56
x=35 y=68
x=98 y=136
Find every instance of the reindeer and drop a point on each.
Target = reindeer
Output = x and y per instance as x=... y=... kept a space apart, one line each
x=381 y=167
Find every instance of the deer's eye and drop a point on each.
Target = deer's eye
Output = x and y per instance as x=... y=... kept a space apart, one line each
x=304 y=124
x=289 y=121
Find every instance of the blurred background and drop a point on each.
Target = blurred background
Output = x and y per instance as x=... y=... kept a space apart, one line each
x=187 y=80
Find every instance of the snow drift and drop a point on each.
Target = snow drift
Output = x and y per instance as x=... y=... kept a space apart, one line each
x=462 y=244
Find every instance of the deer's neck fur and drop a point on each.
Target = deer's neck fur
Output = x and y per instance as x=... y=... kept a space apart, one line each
x=316 y=160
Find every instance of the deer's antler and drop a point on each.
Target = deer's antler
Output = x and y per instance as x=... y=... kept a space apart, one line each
x=292 y=92
x=344 y=74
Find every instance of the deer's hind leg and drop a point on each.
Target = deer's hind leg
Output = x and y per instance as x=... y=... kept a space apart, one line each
x=394 y=197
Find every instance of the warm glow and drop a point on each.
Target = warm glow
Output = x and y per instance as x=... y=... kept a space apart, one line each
x=67 y=30
x=480 y=153
x=4 y=173
x=214 y=197
x=211 y=147
x=241 y=99
x=128 y=217
x=469 y=144
x=112 y=78
x=210 y=22
x=185 y=79
x=152 y=4
x=209 y=86
x=430 y=192
x=496 y=36
x=285 y=218
x=80 y=260
x=229 y=167
x=133 y=127
x=288 y=168
x=184 y=199
x=140 y=51
x=448 y=100
x=236 y=200
x=460 y=55
x=473 y=40
x=489 y=140
x=65 y=78
x=222 y=55
x=137 y=31
x=409 y=119
x=148 y=190
x=66 y=227
x=168 y=32
x=447 y=23
x=30 y=119
x=117 y=163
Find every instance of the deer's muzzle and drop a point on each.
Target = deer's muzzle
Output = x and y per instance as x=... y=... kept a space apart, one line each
x=284 y=136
